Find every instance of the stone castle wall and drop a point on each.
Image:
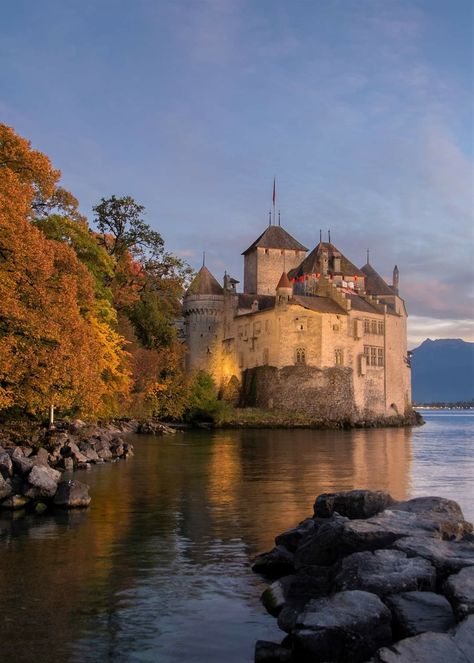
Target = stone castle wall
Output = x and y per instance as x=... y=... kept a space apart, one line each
x=263 y=268
x=324 y=393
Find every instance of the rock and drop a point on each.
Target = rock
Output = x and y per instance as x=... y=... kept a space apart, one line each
x=40 y=508
x=22 y=465
x=72 y=494
x=459 y=589
x=5 y=488
x=323 y=547
x=447 y=514
x=464 y=637
x=446 y=556
x=15 y=502
x=128 y=449
x=71 y=449
x=424 y=648
x=77 y=425
x=417 y=612
x=41 y=457
x=348 y=626
x=276 y=563
x=89 y=452
x=68 y=463
x=6 y=465
x=293 y=537
x=42 y=482
x=27 y=451
x=385 y=572
x=105 y=453
x=352 y=504
x=271 y=652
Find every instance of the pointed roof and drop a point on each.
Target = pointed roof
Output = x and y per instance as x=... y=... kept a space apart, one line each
x=374 y=283
x=284 y=282
x=312 y=263
x=204 y=283
x=275 y=237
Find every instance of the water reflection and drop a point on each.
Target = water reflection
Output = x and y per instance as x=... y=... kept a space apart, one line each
x=158 y=568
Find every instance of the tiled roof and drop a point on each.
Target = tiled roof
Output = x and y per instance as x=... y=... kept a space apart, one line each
x=374 y=283
x=275 y=237
x=264 y=301
x=204 y=284
x=319 y=304
x=284 y=281
x=312 y=263
x=361 y=304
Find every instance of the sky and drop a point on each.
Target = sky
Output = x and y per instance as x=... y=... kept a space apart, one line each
x=361 y=109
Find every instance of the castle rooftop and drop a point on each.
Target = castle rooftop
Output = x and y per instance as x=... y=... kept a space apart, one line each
x=312 y=263
x=374 y=283
x=204 y=283
x=275 y=237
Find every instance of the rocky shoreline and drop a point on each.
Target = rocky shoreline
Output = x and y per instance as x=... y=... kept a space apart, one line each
x=32 y=462
x=370 y=579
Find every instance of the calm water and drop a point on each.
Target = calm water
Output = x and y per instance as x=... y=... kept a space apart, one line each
x=158 y=568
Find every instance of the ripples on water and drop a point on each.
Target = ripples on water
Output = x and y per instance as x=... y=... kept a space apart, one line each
x=158 y=568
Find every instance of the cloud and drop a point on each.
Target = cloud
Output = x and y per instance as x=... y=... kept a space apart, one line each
x=420 y=328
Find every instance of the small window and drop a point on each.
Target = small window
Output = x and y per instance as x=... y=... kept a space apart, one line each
x=300 y=356
x=267 y=252
x=246 y=331
x=380 y=327
x=241 y=360
x=339 y=357
x=257 y=328
x=366 y=326
x=373 y=356
x=373 y=327
x=380 y=357
x=282 y=252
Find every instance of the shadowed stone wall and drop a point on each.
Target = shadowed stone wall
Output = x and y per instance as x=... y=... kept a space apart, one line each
x=326 y=393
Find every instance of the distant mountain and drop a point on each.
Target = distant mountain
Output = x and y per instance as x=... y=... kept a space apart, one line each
x=442 y=371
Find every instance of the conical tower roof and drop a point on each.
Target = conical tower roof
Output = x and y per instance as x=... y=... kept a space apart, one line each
x=284 y=281
x=374 y=283
x=275 y=237
x=204 y=283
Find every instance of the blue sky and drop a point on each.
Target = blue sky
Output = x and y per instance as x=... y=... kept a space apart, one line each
x=362 y=109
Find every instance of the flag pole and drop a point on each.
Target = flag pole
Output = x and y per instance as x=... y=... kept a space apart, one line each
x=274 y=199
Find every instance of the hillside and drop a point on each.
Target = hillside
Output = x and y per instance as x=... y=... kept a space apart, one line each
x=443 y=371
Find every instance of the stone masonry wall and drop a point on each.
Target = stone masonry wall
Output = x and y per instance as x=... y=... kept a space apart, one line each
x=326 y=393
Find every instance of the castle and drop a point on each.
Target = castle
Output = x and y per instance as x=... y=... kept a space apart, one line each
x=311 y=332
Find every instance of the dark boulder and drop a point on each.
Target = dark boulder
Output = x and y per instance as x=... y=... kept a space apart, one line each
x=297 y=589
x=6 y=465
x=323 y=547
x=446 y=514
x=427 y=648
x=464 y=637
x=348 y=626
x=417 y=612
x=293 y=537
x=72 y=494
x=385 y=572
x=446 y=556
x=459 y=589
x=5 y=488
x=353 y=503
x=271 y=652
x=21 y=465
x=274 y=564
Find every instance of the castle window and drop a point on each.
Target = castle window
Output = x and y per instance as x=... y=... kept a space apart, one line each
x=366 y=326
x=257 y=328
x=380 y=327
x=246 y=331
x=241 y=359
x=373 y=327
x=300 y=356
x=335 y=328
x=373 y=356
x=282 y=252
x=339 y=357
x=267 y=252
x=380 y=357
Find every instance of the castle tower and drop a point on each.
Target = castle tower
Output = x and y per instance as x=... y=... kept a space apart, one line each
x=284 y=290
x=274 y=252
x=203 y=309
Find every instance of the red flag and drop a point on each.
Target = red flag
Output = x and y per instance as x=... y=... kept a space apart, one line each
x=274 y=193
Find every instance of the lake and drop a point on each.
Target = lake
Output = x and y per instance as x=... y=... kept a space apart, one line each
x=158 y=569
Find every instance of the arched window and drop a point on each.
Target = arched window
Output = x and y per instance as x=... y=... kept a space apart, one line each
x=300 y=356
